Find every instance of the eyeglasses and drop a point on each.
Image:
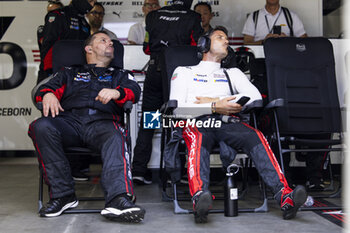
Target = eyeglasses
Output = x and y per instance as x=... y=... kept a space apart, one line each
x=97 y=13
x=153 y=5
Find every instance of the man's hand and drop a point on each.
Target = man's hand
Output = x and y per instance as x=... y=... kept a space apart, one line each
x=283 y=35
x=275 y=35
x=203 y=100
x=271 y=35
x=225 y=107
x=107 y=94
x=52 y=104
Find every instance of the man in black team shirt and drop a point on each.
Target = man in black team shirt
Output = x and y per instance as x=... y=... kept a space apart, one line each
x=67 y=23
x=168 y=26
x=84 y=106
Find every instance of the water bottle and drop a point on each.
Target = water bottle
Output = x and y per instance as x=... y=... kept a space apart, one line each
x=231 y=193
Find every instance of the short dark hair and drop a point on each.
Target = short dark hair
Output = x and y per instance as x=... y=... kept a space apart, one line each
x=99 y=4
x=56 y=2
x=218 y=28
x=203 y=4
x=91 y=38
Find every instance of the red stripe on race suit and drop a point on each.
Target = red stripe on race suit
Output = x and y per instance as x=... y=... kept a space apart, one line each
x=193 y=140
x=147 y=50
x=48 y=56
x=48 y=60
x=129 y=95
x=124 y=160
x=288 y=200
x=58 y=92
x=273 y=159
x=193 y=41
x=38 y=99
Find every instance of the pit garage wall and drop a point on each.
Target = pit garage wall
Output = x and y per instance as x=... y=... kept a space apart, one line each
x=120 y=15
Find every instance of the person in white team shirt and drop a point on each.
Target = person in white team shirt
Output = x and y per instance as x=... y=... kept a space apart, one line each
x=137 y=32
x=259 y=28
x=203 y=92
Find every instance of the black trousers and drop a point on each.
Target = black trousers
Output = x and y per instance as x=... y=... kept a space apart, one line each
x=200 y=141
x=51 y=135
x=152 y=100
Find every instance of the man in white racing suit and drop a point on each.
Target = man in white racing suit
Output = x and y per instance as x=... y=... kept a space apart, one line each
x=203 y=93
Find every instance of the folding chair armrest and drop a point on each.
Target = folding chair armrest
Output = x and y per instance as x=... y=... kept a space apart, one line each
x=169 y=106
x=276 y=103
x=39 y=105
x=127 y=107
x=257 y=104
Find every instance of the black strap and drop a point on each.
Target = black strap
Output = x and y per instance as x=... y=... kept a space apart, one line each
x=255 y=17
x=289 y=20
x=287 y=14
x=229 y=81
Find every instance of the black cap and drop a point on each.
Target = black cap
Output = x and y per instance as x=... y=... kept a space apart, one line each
x=82 y=6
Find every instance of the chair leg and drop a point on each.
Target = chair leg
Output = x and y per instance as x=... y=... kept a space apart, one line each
x=329 y=165
x=264 y=207
x=278 y=138
x=177 y=208
x=41 y=184
x=245 y=166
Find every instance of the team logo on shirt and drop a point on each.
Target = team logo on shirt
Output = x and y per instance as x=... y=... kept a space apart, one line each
x=220 y=80
x=51 y=19
x=174 y=76
x=105 y=78
x=200 y=80
x=219 y=76
x=82 y=77
x=74 y=23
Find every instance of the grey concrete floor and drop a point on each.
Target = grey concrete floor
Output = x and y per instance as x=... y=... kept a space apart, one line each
x=18 y=211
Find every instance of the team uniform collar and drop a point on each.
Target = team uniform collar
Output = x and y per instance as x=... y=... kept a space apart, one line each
x=209 y=65
x=268 y=13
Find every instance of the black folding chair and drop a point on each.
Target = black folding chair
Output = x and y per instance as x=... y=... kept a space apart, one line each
x=303 y=95
x=69 y=53
x=187 y=56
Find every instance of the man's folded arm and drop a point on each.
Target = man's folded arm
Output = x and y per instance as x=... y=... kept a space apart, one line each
x=129 y=90
x=178 y=91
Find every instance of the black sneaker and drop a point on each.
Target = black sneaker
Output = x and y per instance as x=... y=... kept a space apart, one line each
x=142 y=179
x=202 y=202
x=291 y=202
x=122 y=209
x=79 y=176
x=56 y=206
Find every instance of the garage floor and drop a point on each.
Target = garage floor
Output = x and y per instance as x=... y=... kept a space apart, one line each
x=18 y=210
